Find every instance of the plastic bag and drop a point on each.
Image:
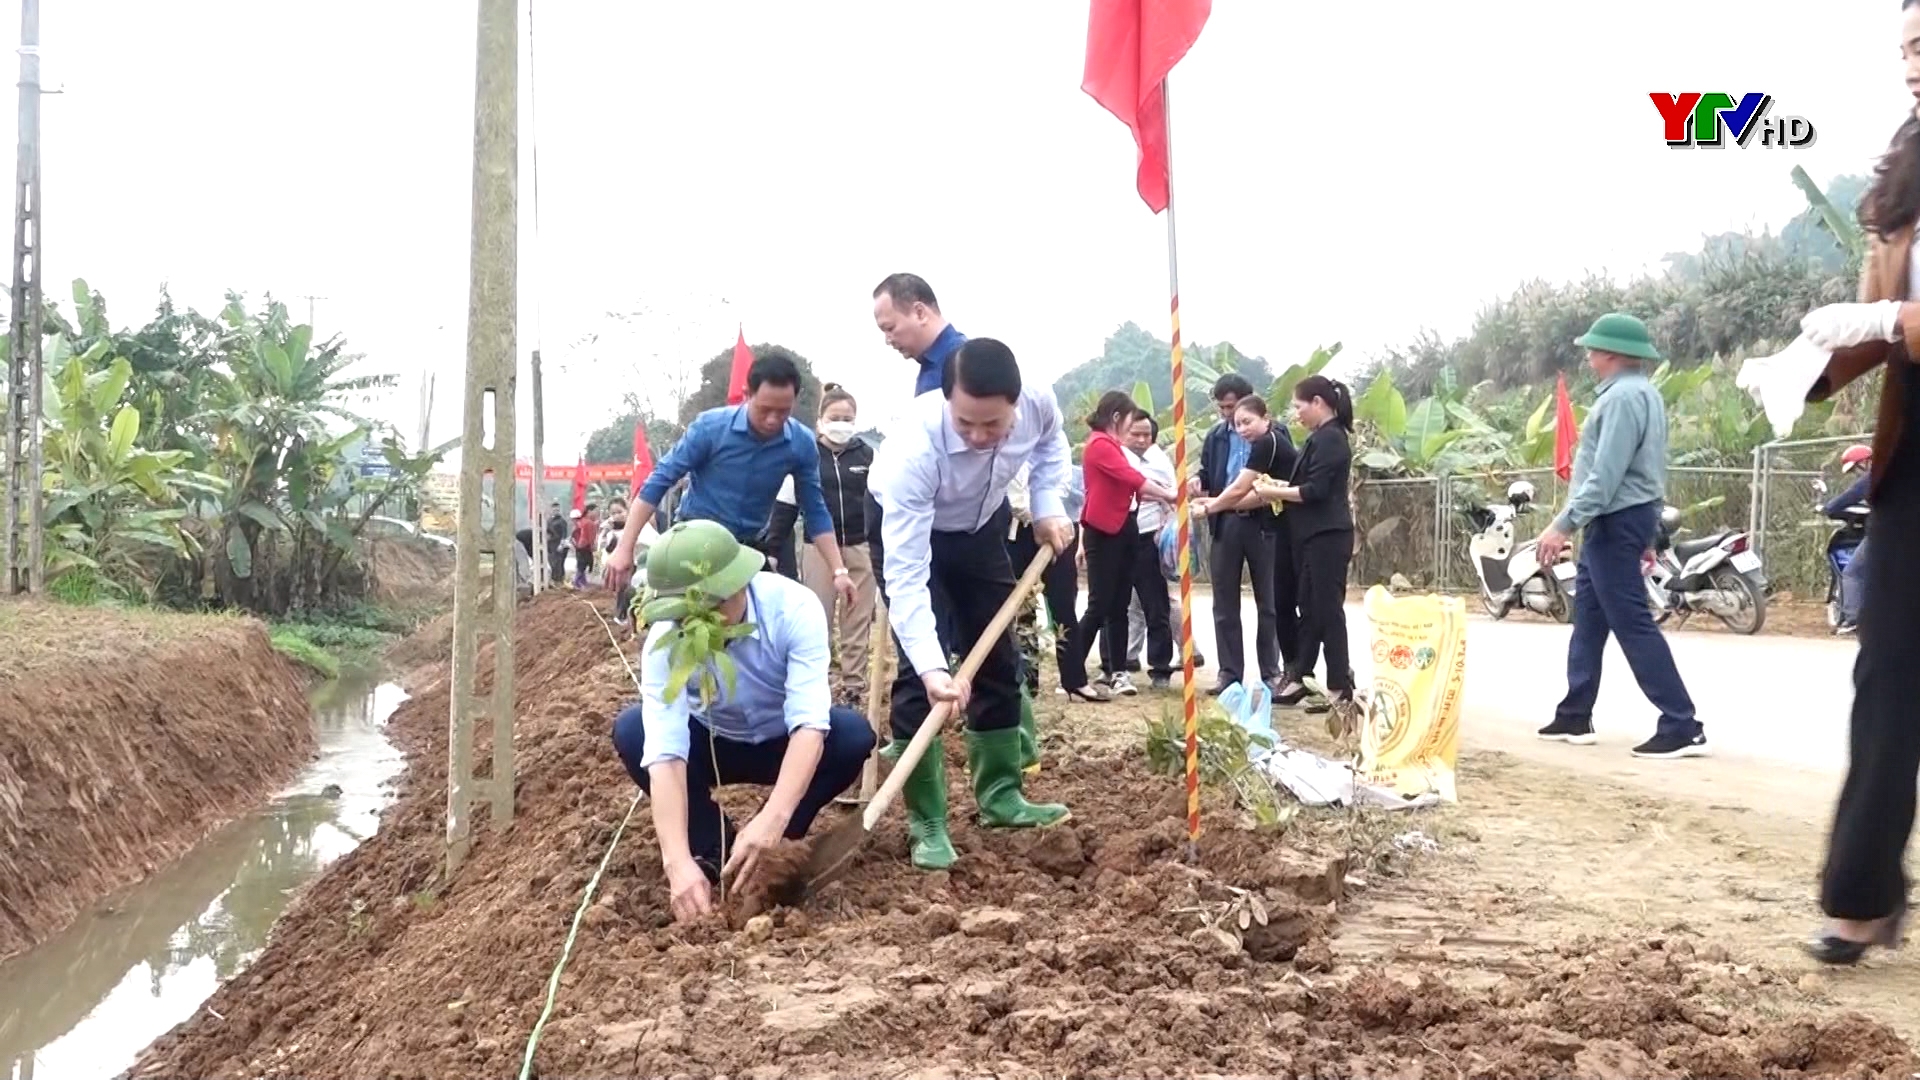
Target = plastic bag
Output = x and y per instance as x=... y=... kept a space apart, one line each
x=1167 y=540
x=1410 y=738
x=1779 y=383
x=1251 y=707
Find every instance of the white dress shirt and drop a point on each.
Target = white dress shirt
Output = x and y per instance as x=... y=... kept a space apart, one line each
x=782 y=684
x=926 y=480
x=1155 y=466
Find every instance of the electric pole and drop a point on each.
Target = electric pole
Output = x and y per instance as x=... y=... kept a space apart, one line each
x=536 y=514
x=488 y=438
x=310 y=299
x=25 y=531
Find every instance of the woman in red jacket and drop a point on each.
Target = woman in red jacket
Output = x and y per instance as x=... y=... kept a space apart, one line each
x=1109 y=531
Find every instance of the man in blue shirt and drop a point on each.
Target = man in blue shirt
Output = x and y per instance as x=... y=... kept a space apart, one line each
x=1853 y=582
x=775 y=725
x=909 y=316
x=737 y=457
x=1619 y=486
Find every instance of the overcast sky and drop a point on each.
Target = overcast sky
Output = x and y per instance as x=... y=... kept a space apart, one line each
x=1347 y=172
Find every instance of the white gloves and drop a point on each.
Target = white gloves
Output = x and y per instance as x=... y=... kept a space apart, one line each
x=1780 y=382
x=1841 y=326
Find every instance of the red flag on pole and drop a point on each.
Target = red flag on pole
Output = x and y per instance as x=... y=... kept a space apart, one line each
x=1566 y=430
x=642 y=460
x=742 y=360
x=580 y=484
x=1131 y=46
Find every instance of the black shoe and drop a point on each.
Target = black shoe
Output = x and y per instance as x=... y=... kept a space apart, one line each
x=1841 y=952
x=1220 y=687
x=1670 y=747
x=1161 y=682
x=1291 y=694
x=1133 y=667
x=1566 y=730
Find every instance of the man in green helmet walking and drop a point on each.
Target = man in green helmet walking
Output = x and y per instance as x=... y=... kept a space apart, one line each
x=775 y=725
x=938 y=518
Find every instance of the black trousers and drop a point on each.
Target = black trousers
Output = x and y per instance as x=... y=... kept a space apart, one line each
x=1060 y=589
x=1242 y=542
x=1110 y=559
x=1156 y=607
x=1864 y=878
x=1321 y=563
x=1286 y=595
x=969 y=577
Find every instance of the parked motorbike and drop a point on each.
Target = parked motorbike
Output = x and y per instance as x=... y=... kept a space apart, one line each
x=1840 y=548
x=1510 y=573
x=1717 y=574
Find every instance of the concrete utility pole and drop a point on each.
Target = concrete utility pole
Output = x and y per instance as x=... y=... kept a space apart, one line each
x=310 y=301
x=25 y=569
x=486 y=449
x=536 y=491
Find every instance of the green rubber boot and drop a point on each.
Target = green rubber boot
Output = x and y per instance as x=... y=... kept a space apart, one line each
x=1029 y=736
x=925 y=796
x=994 y=759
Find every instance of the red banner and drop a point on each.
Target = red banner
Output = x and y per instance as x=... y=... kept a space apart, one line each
x=559 y=474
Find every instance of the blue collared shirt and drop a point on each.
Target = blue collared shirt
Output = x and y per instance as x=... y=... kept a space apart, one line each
x=1622 y=460
x=927 y=479
x=781 y=686
x=933 y=363
x=736 y=474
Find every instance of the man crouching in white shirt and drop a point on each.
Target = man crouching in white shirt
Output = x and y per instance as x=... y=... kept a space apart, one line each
x=937 y=522
x=776 y=725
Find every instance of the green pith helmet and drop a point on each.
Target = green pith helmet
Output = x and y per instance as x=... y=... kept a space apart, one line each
x=1622 y=335
x=699 y=555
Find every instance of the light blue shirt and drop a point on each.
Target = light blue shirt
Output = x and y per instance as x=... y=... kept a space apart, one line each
x=782 y=684
x=926 y=480
x=1238 y=451
x=1622 y=459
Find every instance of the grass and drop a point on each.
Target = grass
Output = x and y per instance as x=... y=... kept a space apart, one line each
x=303 y=651
x=351 y=637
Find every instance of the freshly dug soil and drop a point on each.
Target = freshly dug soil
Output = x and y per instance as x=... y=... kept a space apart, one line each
x=126 y=738
x=1073 y=952
x=411 y=572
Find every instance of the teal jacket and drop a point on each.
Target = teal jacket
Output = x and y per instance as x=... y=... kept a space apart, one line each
x=1622 y=460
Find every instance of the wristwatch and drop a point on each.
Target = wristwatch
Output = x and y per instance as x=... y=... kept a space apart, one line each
x=842 y=572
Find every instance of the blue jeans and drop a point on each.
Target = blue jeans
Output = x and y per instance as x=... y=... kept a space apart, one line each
x=1610 y=597
x=1853 y=585
x=716 y=762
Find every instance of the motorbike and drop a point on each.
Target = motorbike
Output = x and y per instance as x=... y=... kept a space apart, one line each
x=1717 y=574
x=1510 y=573
x=1840 y=548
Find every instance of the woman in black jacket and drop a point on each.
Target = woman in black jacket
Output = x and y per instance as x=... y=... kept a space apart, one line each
x=1320 y=522
x=844 y=461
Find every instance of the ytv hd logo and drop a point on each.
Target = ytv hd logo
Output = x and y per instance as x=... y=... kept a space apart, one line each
x=1711 y=119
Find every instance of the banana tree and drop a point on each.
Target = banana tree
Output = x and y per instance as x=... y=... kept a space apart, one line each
x=113 y=507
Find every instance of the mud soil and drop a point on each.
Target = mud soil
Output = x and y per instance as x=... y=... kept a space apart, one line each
x=1082 y=951
x=125 y=737
x=411 y=572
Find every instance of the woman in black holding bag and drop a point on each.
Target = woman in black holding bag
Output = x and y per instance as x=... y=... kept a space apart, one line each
x=1321 y=523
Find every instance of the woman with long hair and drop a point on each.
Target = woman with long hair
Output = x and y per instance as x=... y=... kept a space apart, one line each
x=844 y=461
x=1863 y=889
x=1110 y=529
x=1321 y=520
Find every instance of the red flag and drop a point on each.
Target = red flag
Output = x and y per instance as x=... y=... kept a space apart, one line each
x=1131 y=46
x=642 y=460
x=580 y=485
x=742 y=360
x=1566 y=431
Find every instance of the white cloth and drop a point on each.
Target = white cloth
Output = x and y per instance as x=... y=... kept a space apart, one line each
x=926 y=480
x=1155 y=466
x=785 y=494
x=1780 y=382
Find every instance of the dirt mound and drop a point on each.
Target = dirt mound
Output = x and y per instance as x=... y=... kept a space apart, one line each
x=1081 y=951
x=127 y=736
x=411 y=571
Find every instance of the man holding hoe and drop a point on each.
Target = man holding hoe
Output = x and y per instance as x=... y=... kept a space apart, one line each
x=938 y=518
x=776 y=723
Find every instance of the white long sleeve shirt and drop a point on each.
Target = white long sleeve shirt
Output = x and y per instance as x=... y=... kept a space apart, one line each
x=926 y=480
x=1156 y=466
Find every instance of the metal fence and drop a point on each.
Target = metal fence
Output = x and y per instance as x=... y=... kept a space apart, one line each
x=1416 y=528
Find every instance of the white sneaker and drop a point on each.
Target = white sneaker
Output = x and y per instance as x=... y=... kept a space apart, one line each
x=1123 y=684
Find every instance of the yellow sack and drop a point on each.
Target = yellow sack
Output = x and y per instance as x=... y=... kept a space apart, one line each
x=1410 y=738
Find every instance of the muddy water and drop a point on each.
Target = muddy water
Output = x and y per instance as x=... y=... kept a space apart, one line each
x=84 y=1004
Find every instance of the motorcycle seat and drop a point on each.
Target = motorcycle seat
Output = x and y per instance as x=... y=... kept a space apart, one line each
x=1687 y=549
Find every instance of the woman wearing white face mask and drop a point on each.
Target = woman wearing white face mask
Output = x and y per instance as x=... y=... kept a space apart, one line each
x=844 y=461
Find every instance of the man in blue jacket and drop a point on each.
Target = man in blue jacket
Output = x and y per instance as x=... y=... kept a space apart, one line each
x=1853 y=582
x=1619 y=487
x=735 y=458
x=908 y=315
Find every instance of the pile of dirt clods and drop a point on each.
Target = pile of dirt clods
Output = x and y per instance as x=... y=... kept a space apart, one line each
x=1078 y=952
